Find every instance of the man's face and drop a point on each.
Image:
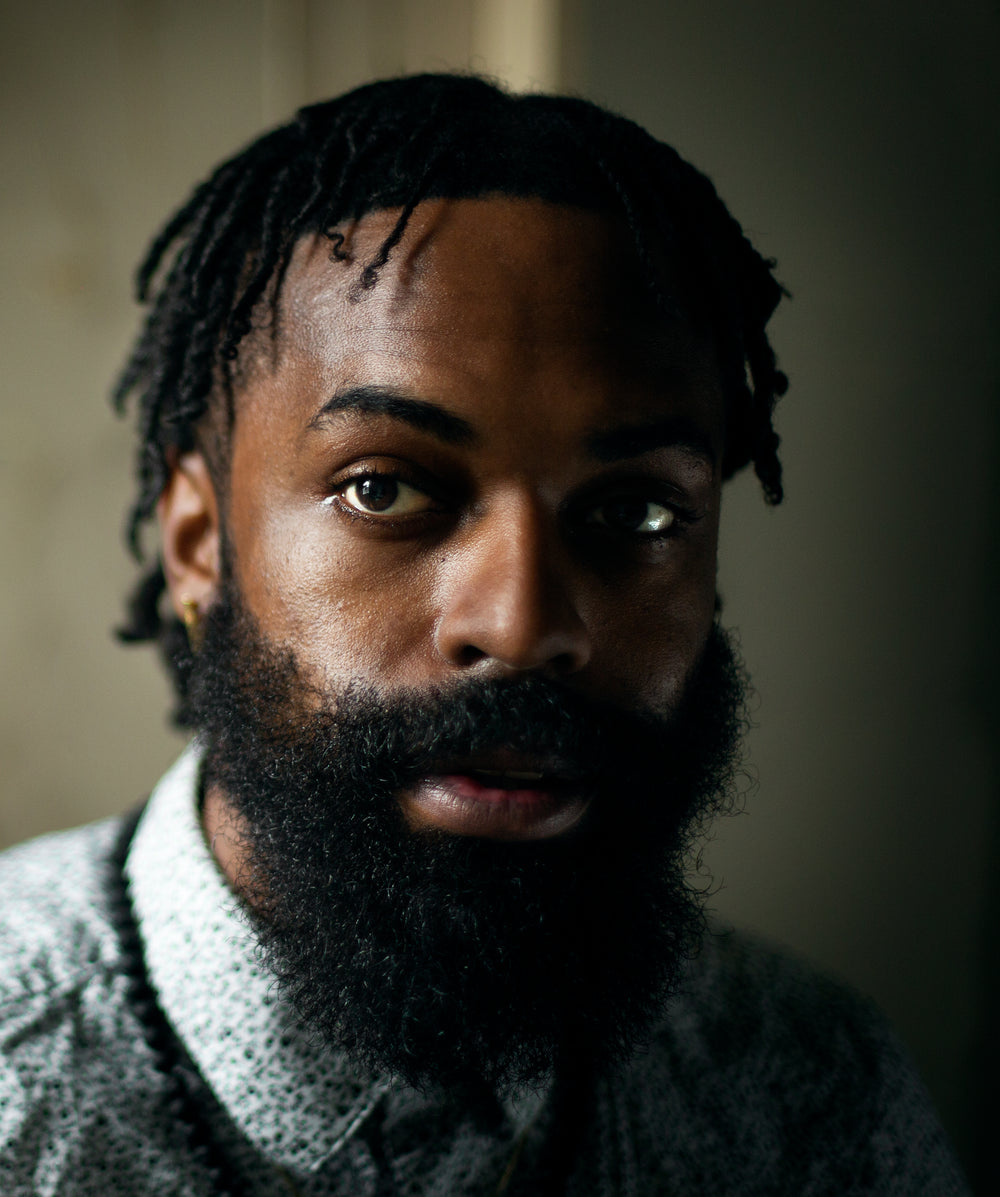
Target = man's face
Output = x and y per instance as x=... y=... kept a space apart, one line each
x=462 y=695
x=496 y=463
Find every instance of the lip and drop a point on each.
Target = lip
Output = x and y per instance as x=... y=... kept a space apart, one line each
x=502 y=800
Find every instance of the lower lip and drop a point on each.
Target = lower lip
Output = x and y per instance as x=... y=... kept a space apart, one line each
x=463 y=805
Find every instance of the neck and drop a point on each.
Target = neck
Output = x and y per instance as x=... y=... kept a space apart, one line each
x=225 y=836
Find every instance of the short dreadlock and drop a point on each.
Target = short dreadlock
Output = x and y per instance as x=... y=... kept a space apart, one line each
x=389 y=145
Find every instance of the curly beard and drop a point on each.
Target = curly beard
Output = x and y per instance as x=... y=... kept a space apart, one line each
x=452 y=960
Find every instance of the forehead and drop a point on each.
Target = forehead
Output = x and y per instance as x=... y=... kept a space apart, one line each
x=485 y=301
x=497 y=254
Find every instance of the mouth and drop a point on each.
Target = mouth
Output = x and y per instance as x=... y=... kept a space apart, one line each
x=502 y=797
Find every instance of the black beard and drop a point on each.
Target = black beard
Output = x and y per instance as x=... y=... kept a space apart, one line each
x=450 y=960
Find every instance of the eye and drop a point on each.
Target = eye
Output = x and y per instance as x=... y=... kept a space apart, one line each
x=384 y=495
x=633 y=515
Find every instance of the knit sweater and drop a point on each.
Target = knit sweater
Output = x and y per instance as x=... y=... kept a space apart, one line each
x=761 y=1077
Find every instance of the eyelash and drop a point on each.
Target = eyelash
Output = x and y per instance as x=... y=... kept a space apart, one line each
x=683 y=516
x=336 y=498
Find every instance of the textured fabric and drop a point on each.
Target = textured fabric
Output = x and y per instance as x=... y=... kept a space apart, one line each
x=293 y=1102
x=762 y=1079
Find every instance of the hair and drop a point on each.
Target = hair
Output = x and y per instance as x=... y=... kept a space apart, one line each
x=222 y=258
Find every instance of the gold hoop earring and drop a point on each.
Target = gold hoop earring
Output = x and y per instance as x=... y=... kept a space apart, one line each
x=192 y=624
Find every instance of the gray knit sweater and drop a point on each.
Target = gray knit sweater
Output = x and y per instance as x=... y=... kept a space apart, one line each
x=762 y=1078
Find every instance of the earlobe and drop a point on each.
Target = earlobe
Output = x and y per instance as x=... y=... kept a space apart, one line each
x=188 y=514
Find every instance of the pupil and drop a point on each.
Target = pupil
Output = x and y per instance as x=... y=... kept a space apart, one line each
x=627 y=513
x=378 y=493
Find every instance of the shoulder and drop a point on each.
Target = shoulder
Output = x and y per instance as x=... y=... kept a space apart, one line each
x=757 y=1000
x=769 y=1070
x=752 y=1021
x=56 y=929
x=77 y=1105
x=58 y=954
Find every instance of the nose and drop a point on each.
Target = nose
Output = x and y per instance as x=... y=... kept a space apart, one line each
x=507 y=598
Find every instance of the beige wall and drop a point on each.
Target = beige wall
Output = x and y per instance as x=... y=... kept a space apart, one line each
x=858 y=144
x=111 y=111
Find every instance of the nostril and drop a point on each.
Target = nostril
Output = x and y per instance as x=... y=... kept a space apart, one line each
x=516 y=637
x=469 y=655
x=565 y=663
x=509 y=601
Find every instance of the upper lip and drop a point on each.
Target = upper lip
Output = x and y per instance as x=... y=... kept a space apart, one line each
x=509 y=762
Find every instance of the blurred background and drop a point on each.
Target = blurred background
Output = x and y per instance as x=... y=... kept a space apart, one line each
x=858 y=144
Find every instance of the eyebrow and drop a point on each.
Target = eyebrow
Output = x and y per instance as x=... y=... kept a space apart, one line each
x=671 y=432
x=615 y=444
x=398 y=405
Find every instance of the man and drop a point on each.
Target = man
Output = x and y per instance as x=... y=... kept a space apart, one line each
x=436 y=398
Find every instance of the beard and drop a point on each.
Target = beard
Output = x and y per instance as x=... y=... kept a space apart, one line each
x=452 y=960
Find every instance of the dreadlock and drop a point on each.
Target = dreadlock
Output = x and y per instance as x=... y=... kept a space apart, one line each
x=221 y=259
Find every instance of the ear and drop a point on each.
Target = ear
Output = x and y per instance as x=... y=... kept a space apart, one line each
x=188 y=514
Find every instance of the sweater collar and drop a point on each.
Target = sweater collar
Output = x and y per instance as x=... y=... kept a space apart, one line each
x=296 y=1101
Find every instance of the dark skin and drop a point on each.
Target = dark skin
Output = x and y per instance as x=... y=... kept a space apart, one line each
x=496 y=462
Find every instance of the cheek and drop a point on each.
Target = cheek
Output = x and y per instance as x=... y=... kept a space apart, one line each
x=650 y=636
x=335 y=603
